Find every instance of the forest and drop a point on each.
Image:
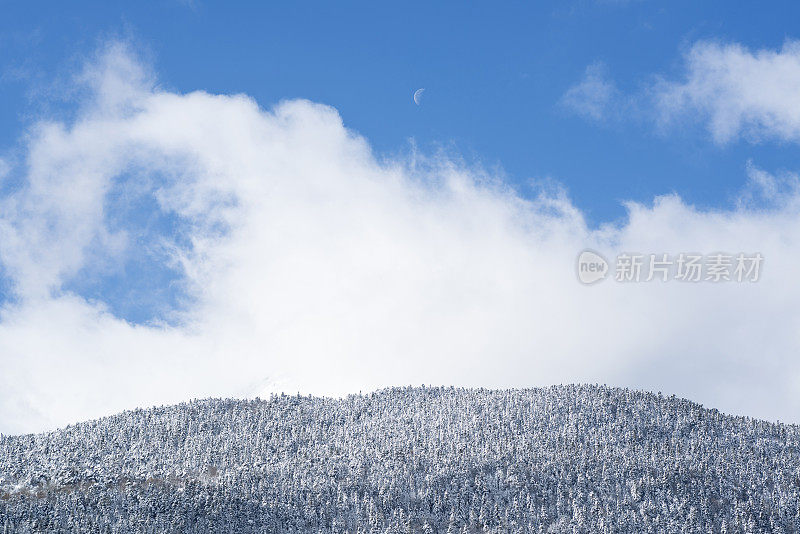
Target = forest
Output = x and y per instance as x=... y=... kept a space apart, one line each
x=562 y=459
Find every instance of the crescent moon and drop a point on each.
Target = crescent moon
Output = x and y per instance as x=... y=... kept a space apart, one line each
x=418 y=95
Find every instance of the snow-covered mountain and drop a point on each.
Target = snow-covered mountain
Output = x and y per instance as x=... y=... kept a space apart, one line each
x=560 y=459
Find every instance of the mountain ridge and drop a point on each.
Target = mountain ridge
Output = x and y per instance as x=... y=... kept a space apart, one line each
x=566 y=458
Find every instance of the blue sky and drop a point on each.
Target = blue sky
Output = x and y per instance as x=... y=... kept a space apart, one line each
x=216 y=199
x=494 y=76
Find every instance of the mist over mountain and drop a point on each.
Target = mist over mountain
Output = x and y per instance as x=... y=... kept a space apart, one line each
x=559 y=459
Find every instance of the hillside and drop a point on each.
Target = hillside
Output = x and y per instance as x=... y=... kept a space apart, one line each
x=560 y=459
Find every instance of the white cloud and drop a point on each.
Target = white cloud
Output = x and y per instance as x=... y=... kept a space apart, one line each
x=312 y=265
x=767 y=190
x=755 y=94
x=595 y=96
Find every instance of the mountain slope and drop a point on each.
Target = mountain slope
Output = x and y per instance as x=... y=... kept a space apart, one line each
x=559 y=459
